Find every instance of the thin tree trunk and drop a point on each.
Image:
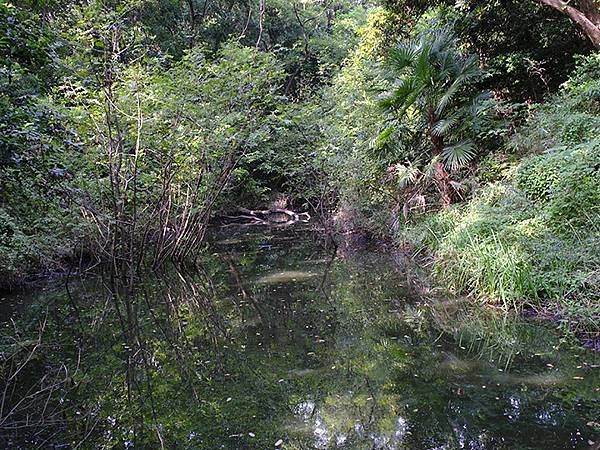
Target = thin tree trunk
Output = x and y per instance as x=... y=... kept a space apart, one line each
x=261 y=19
x=441 y=175
x=587 y=17
x=442 y=180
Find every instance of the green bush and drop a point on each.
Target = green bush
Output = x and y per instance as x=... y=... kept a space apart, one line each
x=572 y=117
x=575 y=200
x=584 y=84
x=567 y=181
x=15 y=247
x=537 y=176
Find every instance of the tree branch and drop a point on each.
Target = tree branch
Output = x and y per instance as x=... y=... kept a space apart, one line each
x=587 y=22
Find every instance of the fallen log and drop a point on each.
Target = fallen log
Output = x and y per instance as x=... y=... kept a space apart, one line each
x=273 y=216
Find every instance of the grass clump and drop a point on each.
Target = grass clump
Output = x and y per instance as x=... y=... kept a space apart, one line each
x=506 y=249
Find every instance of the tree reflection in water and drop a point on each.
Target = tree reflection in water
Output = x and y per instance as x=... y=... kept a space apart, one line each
x=270 y=341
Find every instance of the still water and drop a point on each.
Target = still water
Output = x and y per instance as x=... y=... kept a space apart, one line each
x=276 y=341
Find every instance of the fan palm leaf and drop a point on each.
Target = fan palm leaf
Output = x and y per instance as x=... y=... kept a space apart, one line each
x=431 y=102
x=382 y=139
x=466 y=74
x=406 y=175
x=443 y=126
x=403 y=56
x=458 y=155
x=429 y=170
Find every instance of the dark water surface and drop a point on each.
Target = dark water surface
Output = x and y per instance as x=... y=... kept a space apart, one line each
x=275 y=343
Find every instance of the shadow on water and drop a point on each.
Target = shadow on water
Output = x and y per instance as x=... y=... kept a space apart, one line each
x=276 y=343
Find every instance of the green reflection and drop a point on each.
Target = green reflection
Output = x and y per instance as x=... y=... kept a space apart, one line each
x=272 y=342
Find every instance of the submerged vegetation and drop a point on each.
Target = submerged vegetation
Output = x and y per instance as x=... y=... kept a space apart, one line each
x=463 y=135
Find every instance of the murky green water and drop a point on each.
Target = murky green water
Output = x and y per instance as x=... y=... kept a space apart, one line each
x=276 y=344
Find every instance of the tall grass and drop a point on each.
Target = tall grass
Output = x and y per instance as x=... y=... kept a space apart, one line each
x=502 y=249
x=489 y=267
x=533 y=238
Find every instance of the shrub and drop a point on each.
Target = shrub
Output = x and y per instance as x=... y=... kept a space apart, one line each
x=567 y=181
x=537 y=176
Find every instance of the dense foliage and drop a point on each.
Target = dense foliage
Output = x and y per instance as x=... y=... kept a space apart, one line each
x=531 y=237
x=463 y=133
x=122 y=134
x=528 y=48
x=127 y=127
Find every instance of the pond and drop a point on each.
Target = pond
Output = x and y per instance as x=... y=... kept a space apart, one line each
x=276 y=341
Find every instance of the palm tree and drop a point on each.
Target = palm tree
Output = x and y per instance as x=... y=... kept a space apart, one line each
x=433 y=91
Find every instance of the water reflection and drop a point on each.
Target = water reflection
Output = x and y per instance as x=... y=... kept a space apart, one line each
x=271 y=342
x=288 y=276
x=338 y=431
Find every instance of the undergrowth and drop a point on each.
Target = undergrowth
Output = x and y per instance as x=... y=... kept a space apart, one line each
x=532 y=239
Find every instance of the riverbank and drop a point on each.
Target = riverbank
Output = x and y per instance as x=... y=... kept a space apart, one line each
x=530 y=243
x=526 y=234
x=502 y=249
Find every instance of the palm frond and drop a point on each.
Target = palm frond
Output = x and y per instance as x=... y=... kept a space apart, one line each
x=406 y=93
x=441 y=39
x=467 y=72
x=406 y=175
x=458 y=155
x=433 y=85
x=422 y=66
x=416 y=201
x=398 y=97
x=382 y=139
x=447 y=98
x=429 y=171
x=403 y=56
x=480 y=104
x=411 y=100
x=443 y=126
